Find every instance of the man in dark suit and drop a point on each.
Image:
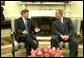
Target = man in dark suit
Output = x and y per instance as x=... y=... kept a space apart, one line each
x=24 y=28
x=63 y=30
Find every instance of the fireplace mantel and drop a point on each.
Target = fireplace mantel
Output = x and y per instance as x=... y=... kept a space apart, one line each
x=44 y=3
x=45 y=6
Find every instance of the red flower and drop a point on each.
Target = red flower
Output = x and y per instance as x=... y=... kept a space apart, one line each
x=39 y=48
x=53 y=52
x=50 y=51
x=58 y=53
x=39 y=53
x=33 y=55
x=46 y=54
x=45 y=49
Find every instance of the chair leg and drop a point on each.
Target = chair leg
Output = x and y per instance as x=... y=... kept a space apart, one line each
x=13 y=53
x=13 y=47
x=26 y=54
x=13 y=50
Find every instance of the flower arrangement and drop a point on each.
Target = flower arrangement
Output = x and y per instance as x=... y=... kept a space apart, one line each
x=46 y=52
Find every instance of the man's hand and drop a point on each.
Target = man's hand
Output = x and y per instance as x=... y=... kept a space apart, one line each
x=25 y=32
x=66 y=37
x=37 y=29
x=62 y=36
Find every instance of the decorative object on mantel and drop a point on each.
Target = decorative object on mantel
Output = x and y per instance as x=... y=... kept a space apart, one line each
x=67 y=11
x=2 y=2
x=44 y=2
x=2 y=15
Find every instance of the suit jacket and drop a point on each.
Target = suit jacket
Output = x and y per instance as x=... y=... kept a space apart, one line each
x=20 y=27
x=68 y=27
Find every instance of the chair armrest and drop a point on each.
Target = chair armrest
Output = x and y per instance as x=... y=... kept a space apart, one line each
x=11 y=33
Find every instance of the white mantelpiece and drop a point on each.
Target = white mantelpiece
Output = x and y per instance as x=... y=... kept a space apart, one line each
x=58 y=3
x=42 y=7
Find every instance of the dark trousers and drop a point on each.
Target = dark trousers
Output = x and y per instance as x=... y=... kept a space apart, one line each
x=29 y=43
x=72 y=44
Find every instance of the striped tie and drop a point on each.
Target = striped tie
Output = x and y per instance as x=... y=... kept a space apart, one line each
x=62 y=25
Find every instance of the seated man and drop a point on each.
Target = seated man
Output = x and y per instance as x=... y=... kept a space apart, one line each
x=23 y=28
x=63 y=30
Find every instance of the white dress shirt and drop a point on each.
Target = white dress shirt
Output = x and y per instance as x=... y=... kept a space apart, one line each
x=62 y=19
x=23 y=19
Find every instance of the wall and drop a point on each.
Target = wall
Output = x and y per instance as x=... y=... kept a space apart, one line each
x=13 y=8
x=77 y=9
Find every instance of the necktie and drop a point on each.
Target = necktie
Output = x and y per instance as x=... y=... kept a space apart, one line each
x=62 y=25
x=26 y=27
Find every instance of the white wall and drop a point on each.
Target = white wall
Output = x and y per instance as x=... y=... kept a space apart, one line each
x=77 y=9
x=11 y=9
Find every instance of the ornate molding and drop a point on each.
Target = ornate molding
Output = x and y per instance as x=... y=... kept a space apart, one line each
x=27 y=3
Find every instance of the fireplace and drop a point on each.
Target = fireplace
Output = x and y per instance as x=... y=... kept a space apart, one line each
x=44 y=23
